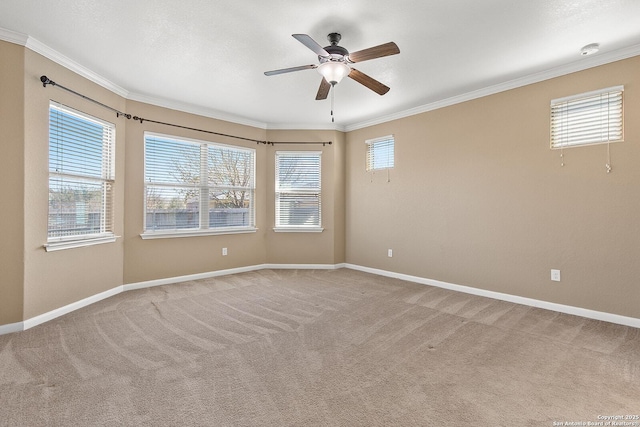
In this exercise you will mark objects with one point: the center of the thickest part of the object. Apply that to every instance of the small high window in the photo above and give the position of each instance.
(588, 118)
(380, 153)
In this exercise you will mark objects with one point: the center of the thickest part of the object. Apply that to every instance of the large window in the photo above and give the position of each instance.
(589, 118)
(197, 187)
(298, 186)
(81, 179)
(380, 153)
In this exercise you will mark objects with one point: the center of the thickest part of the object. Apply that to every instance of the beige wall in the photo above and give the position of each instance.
(11, 182)
(165, 258)
(35, 282)
(477, 198)
(55, 279)
(326, 247)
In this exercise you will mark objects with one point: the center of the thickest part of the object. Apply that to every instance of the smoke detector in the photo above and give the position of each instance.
(589, 49)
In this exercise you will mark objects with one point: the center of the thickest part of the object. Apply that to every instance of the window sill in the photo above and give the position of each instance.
(298, 229)
(71, 244)
(195, 233)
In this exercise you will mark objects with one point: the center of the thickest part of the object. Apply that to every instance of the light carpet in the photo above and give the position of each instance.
(316, 348)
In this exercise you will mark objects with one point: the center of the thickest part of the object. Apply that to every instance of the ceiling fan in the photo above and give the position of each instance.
(335, 63)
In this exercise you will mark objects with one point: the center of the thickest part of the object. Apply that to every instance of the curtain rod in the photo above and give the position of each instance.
(46, 81)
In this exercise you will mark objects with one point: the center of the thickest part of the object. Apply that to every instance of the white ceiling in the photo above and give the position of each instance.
(209, 56)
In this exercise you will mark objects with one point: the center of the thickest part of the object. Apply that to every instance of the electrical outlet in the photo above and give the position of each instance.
(224, 251)
(390, 253)
(555, 275)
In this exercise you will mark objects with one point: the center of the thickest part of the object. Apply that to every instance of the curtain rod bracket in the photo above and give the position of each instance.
(45, 81)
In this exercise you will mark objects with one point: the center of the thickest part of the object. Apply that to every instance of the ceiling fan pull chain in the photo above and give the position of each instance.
(333, 89)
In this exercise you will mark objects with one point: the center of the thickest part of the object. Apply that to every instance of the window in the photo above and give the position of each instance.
(380, 153)
(196, 187)
(298, 185)
(81, 179)
(589, 118)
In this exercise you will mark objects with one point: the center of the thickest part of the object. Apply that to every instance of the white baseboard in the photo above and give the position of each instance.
(10, 328)
(45, 317)
(303, 266)
(568, 309)
(35, 321)
(207, 275)
(583, 312)
(189, 277)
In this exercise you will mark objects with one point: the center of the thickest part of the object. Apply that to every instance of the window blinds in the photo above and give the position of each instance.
(196, 185)
(589, 118)
(298, 189)
(380, 153)
(81, 175)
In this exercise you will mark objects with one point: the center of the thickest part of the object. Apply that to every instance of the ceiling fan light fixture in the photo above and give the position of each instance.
(333, 71)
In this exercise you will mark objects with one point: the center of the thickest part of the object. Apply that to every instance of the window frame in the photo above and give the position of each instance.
(572, 116)
(381, 142)
(302, 228)
(106, 180)
(204, 228)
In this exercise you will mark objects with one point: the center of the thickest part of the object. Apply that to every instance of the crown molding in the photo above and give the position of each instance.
(194, 109)
(52, 54)
(13, 37)
(55, 56)
(584, 64)
(305, 126)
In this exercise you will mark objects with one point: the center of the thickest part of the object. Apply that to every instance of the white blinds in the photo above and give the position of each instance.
(589, 118)
(196, 185)
(298, 189)
(81, 175)
(380, 153)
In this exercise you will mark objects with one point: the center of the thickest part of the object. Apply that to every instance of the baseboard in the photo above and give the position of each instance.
(207, 275)
(10, 328)
(303, 266)
(568, 309)
(591, 314)
(189, 277)
(38, 320)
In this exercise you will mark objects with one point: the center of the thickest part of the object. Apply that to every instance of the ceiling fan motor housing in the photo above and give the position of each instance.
(337, 53)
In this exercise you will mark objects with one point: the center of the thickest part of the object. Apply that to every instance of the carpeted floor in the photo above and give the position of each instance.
(316, 348)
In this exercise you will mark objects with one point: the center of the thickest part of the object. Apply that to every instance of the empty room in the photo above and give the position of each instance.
(362, 213)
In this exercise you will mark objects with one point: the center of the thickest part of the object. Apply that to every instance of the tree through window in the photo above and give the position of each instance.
(196, 185)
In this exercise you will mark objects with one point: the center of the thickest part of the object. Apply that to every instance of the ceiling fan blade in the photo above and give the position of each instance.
(323, 90)
(311, 44)
(289, 70)
(369, 82)
(374, 52)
